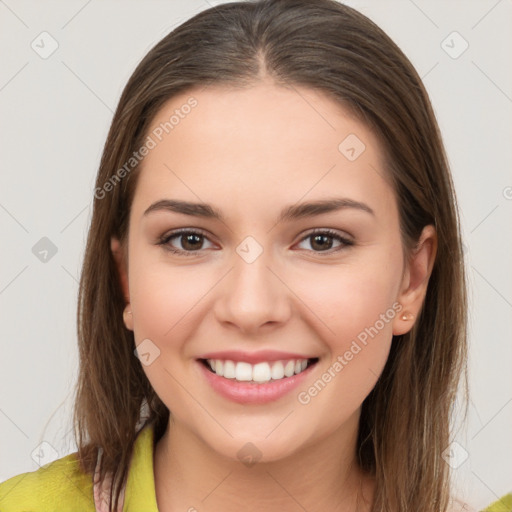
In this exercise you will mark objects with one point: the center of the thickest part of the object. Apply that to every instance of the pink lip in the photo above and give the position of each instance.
(253, 357)
(251, 392)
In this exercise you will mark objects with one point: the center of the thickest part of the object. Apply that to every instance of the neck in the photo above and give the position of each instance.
(189, 475)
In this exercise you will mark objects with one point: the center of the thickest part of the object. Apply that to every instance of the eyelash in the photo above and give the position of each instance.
(164, 240)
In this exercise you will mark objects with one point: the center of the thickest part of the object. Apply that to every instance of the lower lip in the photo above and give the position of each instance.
(251, 392)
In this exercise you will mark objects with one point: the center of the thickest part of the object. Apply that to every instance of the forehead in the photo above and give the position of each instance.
(282, 142)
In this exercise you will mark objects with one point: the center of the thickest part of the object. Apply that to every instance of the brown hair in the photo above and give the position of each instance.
(321, 44)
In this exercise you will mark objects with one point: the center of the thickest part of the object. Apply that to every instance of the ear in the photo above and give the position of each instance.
(122, 272)
(415, 280)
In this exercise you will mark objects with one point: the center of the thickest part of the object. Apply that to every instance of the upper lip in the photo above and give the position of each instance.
(253, 357)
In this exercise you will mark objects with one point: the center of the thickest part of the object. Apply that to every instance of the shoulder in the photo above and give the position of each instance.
(504, 504)
(57, 486)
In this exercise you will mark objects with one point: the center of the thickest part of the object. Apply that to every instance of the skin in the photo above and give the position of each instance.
(249, 153)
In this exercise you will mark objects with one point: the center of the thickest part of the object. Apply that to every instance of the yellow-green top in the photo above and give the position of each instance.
(60, 486)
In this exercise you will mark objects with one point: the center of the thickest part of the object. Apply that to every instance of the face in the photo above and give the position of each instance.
(257, 277)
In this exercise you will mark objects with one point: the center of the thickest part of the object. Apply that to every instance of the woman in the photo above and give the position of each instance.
(272, 305)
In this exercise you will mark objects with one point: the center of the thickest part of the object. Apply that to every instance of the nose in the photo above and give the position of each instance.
(252, 297)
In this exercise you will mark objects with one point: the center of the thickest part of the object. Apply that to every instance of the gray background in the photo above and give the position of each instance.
(55, 113)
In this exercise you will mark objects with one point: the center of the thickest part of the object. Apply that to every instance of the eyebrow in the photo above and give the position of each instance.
(292, 212)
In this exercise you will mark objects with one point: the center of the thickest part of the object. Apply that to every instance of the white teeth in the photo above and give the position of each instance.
(243, 371)
(289, 369)
(260, 372)
(229, 369)
(277, 371)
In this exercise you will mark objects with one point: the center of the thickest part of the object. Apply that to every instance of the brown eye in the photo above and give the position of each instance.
(185, 242)
(191, 241)
(321, 242)
(325, 240)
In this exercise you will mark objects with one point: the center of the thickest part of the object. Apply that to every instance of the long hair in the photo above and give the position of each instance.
(332, 48)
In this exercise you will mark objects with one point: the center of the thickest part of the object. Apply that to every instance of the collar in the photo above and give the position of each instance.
(139, 492)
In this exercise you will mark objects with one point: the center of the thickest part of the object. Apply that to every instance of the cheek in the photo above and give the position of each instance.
(361, 319)
(347, 300)
(354, 307)
(165, 303)
(162, 297)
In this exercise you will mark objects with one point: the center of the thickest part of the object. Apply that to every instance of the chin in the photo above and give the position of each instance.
(256, 450)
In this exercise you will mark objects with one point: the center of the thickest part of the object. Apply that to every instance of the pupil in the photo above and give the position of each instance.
(189, 239)
(317, 238)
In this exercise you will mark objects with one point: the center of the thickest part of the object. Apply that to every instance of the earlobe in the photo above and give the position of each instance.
(415, 282)
(127, 317)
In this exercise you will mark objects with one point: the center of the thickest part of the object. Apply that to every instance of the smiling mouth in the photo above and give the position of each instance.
(259, 373)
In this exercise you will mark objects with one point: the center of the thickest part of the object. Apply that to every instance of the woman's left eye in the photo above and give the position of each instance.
(323, 239)
(192, 241)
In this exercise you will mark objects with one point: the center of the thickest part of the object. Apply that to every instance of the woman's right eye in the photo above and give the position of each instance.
(189, 240)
